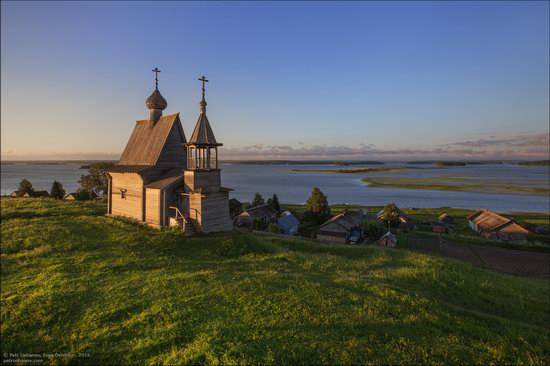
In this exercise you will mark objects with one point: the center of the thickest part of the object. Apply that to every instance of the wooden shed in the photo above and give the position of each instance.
(388, 240)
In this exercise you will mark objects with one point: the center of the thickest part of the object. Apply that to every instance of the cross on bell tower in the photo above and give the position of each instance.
(156, 71)
(202, 148)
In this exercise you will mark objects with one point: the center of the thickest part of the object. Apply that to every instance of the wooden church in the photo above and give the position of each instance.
(161, 179)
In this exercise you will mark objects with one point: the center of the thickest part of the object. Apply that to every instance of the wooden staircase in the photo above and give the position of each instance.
(185, 223)
(188, 227)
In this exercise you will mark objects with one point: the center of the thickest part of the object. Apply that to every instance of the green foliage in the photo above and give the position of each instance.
(391, 215)
(95, 181)
(83, 195)
(373, 230)
(57, 190)
(274, 228)
(24, 187)
(317, 207)
(75, 280)
(273, 202)
(258, 200)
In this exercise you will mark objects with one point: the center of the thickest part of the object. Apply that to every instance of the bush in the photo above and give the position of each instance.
(274, 228)
(83, 195)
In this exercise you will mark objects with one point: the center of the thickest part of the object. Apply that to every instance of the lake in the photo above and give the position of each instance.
(295, 187)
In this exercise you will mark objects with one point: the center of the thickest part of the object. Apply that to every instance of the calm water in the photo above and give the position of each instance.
(294, 187)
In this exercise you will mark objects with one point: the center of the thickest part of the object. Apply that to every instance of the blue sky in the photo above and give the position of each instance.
(348, 80)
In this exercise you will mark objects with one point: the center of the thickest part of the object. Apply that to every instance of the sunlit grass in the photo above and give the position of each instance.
(74, 280)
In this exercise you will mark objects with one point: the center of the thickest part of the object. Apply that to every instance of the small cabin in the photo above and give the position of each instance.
(70, 197)
(258, 217)
(388, 240)
(13, 194)
(439, 227)
(342, 228)
(446, 219)
(288, 223)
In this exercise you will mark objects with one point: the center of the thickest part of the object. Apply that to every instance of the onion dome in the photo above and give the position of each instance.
(156, 101)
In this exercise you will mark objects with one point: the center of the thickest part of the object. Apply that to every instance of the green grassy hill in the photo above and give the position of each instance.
(75, 281)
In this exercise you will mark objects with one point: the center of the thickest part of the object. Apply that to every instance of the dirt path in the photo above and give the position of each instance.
(512, 261)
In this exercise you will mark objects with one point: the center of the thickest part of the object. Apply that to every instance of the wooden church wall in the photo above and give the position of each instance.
(131, 205)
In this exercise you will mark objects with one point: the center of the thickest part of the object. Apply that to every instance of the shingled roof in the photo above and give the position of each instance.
(202, 134)
(146, 142)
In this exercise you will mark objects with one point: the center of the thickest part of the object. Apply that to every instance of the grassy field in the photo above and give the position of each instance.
(461, 184)
(74, 280)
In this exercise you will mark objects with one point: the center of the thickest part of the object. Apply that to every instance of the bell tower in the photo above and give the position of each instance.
(208, 201)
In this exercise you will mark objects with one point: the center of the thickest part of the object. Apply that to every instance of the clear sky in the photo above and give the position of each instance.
(302, 80)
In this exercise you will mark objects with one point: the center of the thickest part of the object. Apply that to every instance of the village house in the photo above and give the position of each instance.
(36, 194)
(13, 194)
(439, 227)
(446, 219)
(494, 226)
(288, 223)
(161, 179)
(342, 228)
(387, 240)
(258, 217)
(70, 196)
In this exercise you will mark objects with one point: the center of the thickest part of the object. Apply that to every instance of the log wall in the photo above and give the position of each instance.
(131, 205)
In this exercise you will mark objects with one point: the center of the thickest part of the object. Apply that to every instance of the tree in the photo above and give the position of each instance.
(273, 202)
(317, 208)
(24, 187)
(391, 214)
(57, 190)
(95, 181)
(258, 200)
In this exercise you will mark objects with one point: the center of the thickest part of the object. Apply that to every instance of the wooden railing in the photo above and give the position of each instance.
(178, 214)
(197, 213)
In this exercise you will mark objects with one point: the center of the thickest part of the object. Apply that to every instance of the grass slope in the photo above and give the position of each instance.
(74, 280)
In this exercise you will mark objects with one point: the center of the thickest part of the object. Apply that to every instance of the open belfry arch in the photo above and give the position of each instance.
(161, 179)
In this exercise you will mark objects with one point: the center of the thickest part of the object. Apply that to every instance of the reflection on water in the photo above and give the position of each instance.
(295, 187)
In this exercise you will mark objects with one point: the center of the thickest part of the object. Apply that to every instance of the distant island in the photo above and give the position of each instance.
(454, 163)
(535, 163)
(450, 163)
(358, 170)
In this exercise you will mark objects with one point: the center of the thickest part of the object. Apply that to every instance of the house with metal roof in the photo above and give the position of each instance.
(342, 228)
(288, 223)
(494, 226)
(162, 179)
